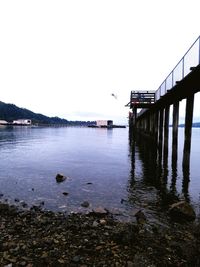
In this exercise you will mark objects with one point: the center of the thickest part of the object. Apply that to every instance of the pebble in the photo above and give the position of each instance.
(130, 264)
(76, 258)
(102, 222)
(95, 224)
(42, 238)
(100, 211)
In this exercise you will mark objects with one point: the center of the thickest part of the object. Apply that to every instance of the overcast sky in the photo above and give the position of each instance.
(66, 58)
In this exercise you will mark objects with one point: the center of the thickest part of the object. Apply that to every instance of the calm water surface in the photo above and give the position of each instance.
(102, 167)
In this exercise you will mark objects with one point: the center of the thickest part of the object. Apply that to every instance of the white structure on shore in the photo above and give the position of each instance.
(104, 123)
(3, 122)
(23, 121)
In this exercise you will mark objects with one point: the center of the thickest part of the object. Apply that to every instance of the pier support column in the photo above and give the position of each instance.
(160, 140)
(166, 134)
(151, 124)
(188, 131)
(148, 123)
(166, 129)
(145, 124)
(134, 117)
(156, 126)
(161, 128)
(132, 124)
(175, 132)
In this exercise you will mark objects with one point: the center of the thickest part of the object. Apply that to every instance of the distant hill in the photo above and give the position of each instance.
(10, 112)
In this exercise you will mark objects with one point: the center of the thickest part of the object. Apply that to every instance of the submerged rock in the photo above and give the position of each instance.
(85, 204)
(123, 200)
(60, 178)
(182, 210)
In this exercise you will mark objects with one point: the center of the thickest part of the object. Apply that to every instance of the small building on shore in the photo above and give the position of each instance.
(104, 123)
(2, 122)
(22, 122)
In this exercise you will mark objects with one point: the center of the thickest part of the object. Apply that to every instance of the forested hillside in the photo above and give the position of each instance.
(10, 112)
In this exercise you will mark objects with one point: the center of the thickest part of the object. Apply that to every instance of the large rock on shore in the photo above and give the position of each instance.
(182, 210)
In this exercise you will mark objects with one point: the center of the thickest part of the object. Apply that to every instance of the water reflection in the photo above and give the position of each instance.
(156, 171)
(185, 184)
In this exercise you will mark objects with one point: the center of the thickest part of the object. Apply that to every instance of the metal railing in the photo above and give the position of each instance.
(188, 61)
(142, 97)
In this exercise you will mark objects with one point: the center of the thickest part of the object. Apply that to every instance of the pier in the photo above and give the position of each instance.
(150, 109)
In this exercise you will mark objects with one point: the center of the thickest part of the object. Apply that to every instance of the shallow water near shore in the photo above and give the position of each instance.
(102, 168)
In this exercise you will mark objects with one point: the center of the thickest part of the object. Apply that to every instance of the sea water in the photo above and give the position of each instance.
(102, 167)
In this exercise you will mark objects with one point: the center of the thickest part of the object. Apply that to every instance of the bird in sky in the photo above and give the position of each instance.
(114, 95)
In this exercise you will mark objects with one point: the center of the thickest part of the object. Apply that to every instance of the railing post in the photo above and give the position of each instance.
(199, 50)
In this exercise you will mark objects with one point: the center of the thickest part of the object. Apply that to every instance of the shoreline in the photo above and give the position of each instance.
(38, 237)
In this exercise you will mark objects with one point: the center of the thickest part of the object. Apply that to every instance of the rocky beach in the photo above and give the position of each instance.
(35, 237)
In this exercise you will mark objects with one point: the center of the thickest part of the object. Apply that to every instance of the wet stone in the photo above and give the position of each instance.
(76, 258)
(95, 224)
(182, 210)
(100, 211)
(60, 178)
(42, 238)
(102, 222)
(85, 204)
(140, 217)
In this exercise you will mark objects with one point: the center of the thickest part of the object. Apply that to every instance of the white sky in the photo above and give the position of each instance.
(66, 58)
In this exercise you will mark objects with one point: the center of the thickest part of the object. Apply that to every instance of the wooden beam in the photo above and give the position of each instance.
(175, 131)
(188, 130)
(160, 128)
(166, 132)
